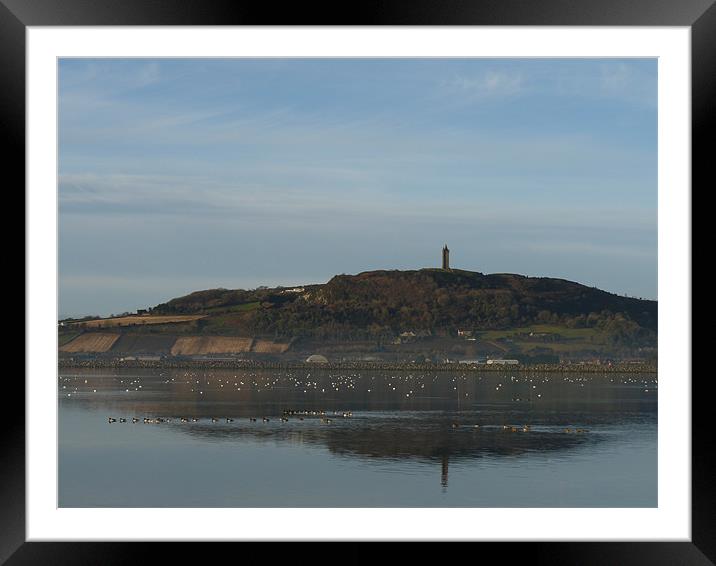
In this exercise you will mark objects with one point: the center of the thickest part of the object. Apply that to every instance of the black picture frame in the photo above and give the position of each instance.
(699, 15)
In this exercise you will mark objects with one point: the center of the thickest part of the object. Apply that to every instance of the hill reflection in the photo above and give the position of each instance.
(433, 418)
(431, 438)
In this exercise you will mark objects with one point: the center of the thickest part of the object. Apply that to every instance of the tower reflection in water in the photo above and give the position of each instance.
(427, 417)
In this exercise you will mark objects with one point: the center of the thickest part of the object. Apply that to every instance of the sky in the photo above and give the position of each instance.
(177, 175)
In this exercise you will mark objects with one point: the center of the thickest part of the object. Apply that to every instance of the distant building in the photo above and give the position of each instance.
(503, 362)
(446, 258)
(317, 358)
(464, 333)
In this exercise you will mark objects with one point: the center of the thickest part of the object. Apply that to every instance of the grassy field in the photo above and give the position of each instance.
(559, 347)
(583, 334)
(197, 345)
(138, 320)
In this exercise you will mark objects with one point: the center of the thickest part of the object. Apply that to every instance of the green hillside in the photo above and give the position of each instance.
(435, 302)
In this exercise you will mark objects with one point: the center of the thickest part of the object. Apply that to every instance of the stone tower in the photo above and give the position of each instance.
(446, 258)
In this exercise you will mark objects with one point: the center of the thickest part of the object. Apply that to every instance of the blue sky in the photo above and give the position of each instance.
(184, 174)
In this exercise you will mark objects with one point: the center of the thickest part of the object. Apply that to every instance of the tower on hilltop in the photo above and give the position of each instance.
(446, 258)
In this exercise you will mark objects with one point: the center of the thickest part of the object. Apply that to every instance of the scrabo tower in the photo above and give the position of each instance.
(446, 258)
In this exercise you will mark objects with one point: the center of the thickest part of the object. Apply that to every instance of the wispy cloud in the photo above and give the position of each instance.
(620, 80)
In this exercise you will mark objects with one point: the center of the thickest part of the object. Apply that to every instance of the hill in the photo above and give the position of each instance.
(427, 302)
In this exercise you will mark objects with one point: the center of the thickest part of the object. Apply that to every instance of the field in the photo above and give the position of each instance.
(101, 342)
(65, 337)
(196, 345)
(268, 347)
(137, 320)
(534, 341)
(90, 342)
(585, 334)
(547, 338)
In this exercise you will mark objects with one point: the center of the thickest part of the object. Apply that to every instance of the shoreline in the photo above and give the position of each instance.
(365, 366)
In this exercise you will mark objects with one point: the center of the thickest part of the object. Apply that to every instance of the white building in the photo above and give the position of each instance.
(293, 290)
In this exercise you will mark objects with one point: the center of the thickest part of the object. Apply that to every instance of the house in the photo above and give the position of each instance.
(293, 290)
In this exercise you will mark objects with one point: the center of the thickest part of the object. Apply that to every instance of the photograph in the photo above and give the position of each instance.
(409, 276)
(357, 282)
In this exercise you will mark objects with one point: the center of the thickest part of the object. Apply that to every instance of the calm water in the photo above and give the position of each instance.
(406, 440)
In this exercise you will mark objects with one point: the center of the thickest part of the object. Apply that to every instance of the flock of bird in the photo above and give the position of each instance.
(312, 413)
(409, 386)
(284, 417)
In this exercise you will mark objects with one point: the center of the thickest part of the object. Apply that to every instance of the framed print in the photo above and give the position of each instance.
(231, 259)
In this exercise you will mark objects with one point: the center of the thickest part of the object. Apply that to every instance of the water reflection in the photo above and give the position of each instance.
(373, 416)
